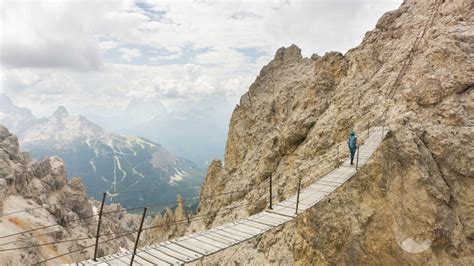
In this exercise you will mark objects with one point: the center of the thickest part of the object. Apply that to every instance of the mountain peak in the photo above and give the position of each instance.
(60, 112)
(289, 53)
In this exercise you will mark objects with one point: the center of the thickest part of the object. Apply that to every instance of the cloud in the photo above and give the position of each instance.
(128, 54)
(64, 34)
(108, 45)
(187, 53)
(38, 36)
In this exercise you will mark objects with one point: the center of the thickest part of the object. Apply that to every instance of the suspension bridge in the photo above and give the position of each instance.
(193, 247)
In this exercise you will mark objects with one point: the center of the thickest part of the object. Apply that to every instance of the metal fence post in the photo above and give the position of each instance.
(270, 207)
(138, 236)
(98, 226)
(368, 128)
(357, 160)
(298, 195)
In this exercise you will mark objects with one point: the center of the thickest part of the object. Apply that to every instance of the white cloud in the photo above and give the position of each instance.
(184, 52)
(108, 45)
(128, 54)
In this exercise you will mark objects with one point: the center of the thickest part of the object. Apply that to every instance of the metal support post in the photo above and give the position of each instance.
(368, 128)
(98, 226)
(271, 206)
(138, 236)
(357, 160)
(298, 195)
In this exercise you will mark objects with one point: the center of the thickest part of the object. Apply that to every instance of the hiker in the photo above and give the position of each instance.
(352, 143)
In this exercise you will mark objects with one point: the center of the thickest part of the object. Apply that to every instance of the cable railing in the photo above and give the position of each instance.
(91, 222)
(104, 215)
(126, 233)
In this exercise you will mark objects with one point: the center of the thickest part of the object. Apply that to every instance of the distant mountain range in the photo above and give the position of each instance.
(198, 135)
(104, 161)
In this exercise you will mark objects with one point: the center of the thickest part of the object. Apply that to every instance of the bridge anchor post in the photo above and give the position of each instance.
(298, 195)
(357, 159)
(271, 206)
(98, 226)
(138, 236)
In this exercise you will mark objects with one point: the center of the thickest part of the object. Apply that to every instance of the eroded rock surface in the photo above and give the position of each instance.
(41, 188)
(413, 202)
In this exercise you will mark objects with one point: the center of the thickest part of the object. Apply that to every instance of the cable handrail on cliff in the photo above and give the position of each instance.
(126, 233)
(176, 222)
(106, 213)
(280, 209)
(90, 195)
(190, 248)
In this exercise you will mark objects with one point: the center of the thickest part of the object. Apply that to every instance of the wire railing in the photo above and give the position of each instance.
(108, 215)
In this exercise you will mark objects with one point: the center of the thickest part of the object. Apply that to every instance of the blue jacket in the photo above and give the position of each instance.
(352, 141)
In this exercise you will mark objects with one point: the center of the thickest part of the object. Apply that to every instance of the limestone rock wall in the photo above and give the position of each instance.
(413, 202)
(42, 187)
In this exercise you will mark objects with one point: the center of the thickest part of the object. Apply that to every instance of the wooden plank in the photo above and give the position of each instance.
(230, 230)
(325, 188)
(285, 209)
(229, 235)
(126, 259)
(328, 183)
(92, 262)
(115, 262)
(138, 260)
(161, 256)
(234, 230)
(290, 208)
(172, 253)
(184, 251)
(248, 229)
(210, 241)
(257, 225)
(219, 238)
(331, 176)
(266, 220)
(315, 189)
(202, 243)
(201, 249)
(318, 189)
(111, 260)
(151, 259)
(290, 212)
(275, 217)
(292, 203)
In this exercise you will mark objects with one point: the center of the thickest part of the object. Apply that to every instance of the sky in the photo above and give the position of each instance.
(95, 57)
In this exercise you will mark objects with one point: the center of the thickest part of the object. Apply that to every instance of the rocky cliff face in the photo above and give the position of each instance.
(413, 202)
(42, 189)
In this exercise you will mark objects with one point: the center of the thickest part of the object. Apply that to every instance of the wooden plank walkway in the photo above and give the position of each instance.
(197, 245)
